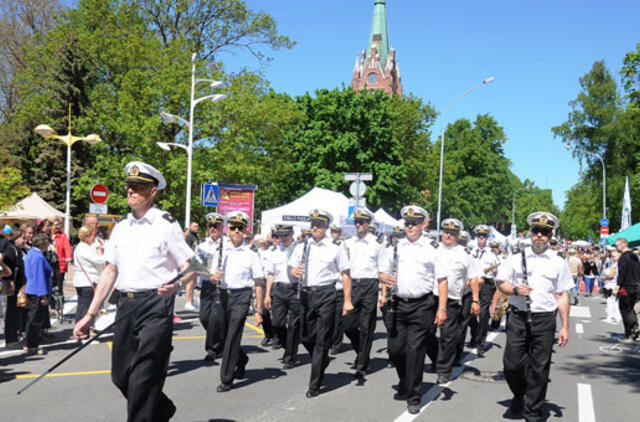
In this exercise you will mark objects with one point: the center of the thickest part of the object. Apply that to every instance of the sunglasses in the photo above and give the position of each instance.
(360, 222)
(215, 225)
(482, 235)
(450, 232)
(541, 230)
(318, 224)
(236, 228)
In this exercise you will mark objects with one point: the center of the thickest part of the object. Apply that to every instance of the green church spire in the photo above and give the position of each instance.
(378, 35)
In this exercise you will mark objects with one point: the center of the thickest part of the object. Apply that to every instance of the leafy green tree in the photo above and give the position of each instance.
(12, 188)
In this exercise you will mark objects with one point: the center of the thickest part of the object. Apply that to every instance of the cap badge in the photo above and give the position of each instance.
(358, 213)
(410, 212)
(134, 171)
(543, 219)
(316, 213)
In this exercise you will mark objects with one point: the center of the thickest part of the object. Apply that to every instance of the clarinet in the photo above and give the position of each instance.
(527, 299)
(393, 289)
(220, 253)
(303, 262)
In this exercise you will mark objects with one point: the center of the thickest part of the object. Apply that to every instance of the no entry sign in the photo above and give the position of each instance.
(99, 193)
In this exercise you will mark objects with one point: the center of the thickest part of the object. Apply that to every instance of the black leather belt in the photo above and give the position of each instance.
(413, 299)
(520, 312)
(136, 295)
(243, 289)
(363, 280)
(318, 288)
(292, 286)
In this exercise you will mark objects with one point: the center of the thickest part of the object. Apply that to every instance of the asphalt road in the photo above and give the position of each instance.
(595, 378)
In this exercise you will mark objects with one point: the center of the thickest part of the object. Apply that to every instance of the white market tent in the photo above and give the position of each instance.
(30, 208)
(296, 213)
(386, 222)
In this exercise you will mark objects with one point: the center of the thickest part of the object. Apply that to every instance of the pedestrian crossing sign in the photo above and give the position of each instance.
(209, 194)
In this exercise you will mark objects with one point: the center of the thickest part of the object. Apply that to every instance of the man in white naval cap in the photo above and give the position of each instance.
(145, 251)
(412, 273)
(537, 281)
(488, 265)
(463, 296)
(241, 270)
(319, 263)
(363, 250)
(211, 313)
(282, 296)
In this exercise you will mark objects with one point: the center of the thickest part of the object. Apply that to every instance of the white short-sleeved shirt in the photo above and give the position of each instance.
(363, 256)
(147, 251)
(547, 274)
(326, 260)
(279, 264)
(211, 248)
(459, 266)
(88, 265)
(486, 259)
(241, 266)
(265, 258)
(417, 272)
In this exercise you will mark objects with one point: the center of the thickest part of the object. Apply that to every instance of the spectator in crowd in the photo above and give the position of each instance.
(192, 238)
(63, 249)
(627, 289)
(575, 266)
(38, 275)
(589, 273)
(609, 278)
(89, 263)
(12, 257)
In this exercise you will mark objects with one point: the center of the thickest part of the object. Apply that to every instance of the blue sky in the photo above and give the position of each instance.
(535, 50)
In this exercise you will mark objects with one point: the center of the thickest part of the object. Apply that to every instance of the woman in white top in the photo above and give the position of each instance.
(89, 263)
(610, 280)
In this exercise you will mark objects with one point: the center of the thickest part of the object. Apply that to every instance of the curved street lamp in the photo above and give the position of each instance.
(48, 133)
(604, 175)
(473, 88)
(172, 118)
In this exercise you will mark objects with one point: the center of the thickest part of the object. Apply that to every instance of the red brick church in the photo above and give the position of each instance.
(376, 68)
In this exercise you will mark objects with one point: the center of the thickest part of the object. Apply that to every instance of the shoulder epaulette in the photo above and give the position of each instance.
(124, 217)
(380, 240)
(435, 244)
(253, 248)
(337, 242)
(273, 248)
(169, 217)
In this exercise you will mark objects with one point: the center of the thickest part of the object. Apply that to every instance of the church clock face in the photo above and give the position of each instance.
(373, 78)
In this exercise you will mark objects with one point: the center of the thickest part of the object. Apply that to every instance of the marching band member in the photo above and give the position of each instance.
(538, 282)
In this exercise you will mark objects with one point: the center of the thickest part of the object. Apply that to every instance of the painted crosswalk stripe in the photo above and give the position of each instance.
(585, 404)
(580, 312)
(579, 328)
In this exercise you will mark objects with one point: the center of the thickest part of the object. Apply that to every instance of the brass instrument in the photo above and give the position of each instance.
(501, 307)
(491, 268)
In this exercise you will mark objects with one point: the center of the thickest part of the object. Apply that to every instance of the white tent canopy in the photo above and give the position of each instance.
(296, 213)
(31, 208)
(383, 218)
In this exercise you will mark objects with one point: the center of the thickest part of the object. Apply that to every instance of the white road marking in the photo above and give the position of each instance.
(585, 404)
(580, 312)
(431, 394)
(579, 328)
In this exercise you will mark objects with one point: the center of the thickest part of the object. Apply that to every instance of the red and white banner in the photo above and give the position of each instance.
(237, 198)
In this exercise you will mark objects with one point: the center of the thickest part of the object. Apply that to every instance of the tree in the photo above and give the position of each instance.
(12, 188)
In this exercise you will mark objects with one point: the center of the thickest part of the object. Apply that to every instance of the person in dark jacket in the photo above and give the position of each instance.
(14, 282)
(627, 289)
(39, 284)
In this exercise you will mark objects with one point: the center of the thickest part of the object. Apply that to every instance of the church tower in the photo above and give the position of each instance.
(376, 68)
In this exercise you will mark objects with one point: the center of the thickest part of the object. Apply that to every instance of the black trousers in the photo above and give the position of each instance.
(450, 333)
(407, 342)
(85, 296)
(37, 312)
(285, 317)
(235, 303)
(11, 320)
(360, 324)
(527, 358)
(141, 349)
(480, 325)
(629, 317)
(318, 305)
(212, 318)
(338, 322)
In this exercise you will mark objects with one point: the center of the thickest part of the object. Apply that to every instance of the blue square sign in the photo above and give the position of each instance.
(209, 194)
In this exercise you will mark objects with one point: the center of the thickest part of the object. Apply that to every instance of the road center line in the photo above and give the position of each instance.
(579, 328)
(585, 404)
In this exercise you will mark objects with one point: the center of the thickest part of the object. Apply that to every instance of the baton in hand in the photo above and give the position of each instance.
(195, 264)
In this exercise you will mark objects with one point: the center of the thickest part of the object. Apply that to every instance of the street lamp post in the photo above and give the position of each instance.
(172, 118)
(48, 133)
(473, 88)
(604, 176)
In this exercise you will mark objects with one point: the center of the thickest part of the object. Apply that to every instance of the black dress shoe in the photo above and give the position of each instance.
(359, 375)
(223, 388)
(266, 341)
(414, 409)
(209, 357)
(480, 352)
(401, 395)
(334, 350)
(276, 345)
(442, 379)
(311, 393)
(517, 406)
(288, 365)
